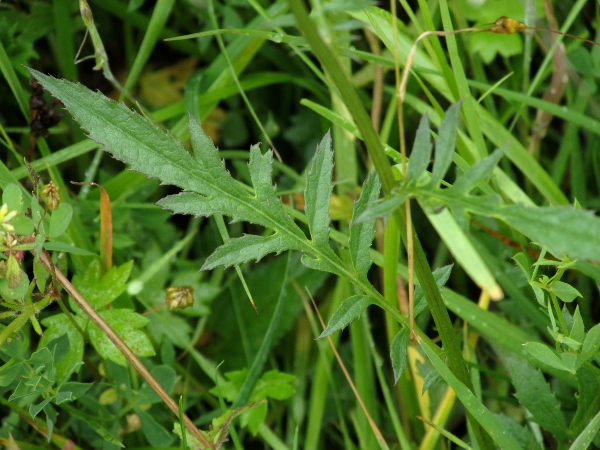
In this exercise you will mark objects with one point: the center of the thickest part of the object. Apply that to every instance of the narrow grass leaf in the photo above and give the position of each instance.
(349, 310)
(586, 437)
(484, 416)
(160, 15)
(362, 234)
(463, 251)
(399, 352)
(444, 145)
(533, 393)
(318, 193)
(421, 151)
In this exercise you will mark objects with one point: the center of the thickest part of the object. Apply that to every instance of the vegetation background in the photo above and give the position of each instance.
(521, 293)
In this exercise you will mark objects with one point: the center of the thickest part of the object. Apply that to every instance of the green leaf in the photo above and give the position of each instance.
(274, 384)
(154, 432)
(318, 193)
(349, 310)
(533, 392)
(246, 248)
(254, 418)
(523, 264)
(67, 248)
(578, 329)
(591, 345)
(210, 188)
(35, 409)
(101, 291)
(543, 354)
(477, 173)
(522, 434)
(588, 399)
(563, 229)
(71, 391)
(126, 324)
(127, 135)
(60, 220)
(420, 155)
(399, 352)
(444, 145)
(10, 372)
(12, 196)
(59, 347)
(14, 274)
(226, 196)
(383, 208)
(362, 235)
(166, 377)
(22, 224)
(19, 291)
(564, 291)
(57, 326)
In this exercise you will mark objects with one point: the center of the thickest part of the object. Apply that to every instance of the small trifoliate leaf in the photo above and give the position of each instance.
(349, 310)
(362, 235)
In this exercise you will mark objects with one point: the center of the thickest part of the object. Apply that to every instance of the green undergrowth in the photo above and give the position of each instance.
(237, 161)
